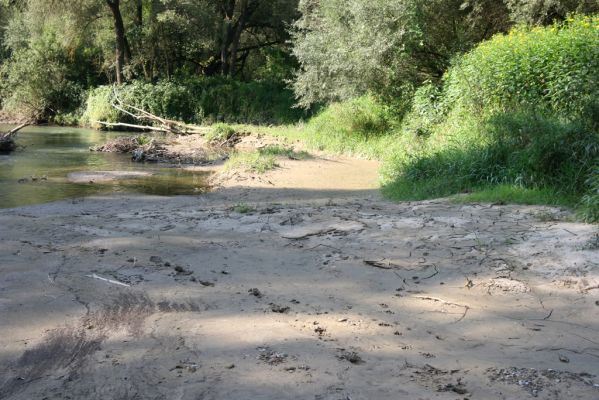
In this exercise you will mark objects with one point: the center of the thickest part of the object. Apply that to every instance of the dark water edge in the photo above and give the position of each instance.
(37, 171)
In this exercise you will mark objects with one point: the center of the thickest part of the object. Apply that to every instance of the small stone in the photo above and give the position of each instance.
(156, 259)
(279, 309)
(351, 356)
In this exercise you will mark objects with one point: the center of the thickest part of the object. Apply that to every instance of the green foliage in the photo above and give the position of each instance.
(518, 112)
(554, 68)
(526, 150)
(426, 111)
(281, 151)
(243, 208)
(590, 201)
(251, 162)
(98, 107)
(360, 127)
(36, 81)
(142, 140)
(549, 11)
(347, 48)
(220, 133)
(354, 126)
(199, 100)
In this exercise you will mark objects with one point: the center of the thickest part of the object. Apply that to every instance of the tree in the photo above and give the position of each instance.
(347, 48)
(547, 11)
(121, 39)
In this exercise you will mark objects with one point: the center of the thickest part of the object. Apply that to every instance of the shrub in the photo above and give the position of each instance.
(280, 151)
(357, 126)
(35, 81)
(554, 68)
(220, 133)
(98, 107)
(590, 201)
(518, 111)
(199, 100)
(251, 162)
(426, 110)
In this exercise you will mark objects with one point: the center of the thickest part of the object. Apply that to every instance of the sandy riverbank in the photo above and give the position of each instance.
(319, 290)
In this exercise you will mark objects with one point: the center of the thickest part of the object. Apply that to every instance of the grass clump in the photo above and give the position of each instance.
(243, 208)
(220, 133)
(281, 151)
(358, 127)
(143, 140)
(262, 160)
(589, 207)
(252, 161)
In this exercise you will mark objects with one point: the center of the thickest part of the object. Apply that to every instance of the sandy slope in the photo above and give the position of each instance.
(325, 291)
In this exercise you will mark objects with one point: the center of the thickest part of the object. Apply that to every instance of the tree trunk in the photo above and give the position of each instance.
(121, 40)
(228, 11)
(237, 37)
(7, 140)
(139, 11)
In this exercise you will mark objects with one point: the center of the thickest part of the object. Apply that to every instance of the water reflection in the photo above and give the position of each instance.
(49, 154)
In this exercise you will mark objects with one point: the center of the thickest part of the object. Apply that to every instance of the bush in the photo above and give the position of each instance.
(518, 111)
(220, 133)
(590, 201)
(253, 161)
(199, 100)
(554, 68)
(357, 126)
(527, 150)
(35, 81)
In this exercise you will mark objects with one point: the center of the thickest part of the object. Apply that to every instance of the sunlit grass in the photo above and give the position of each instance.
(252, 161)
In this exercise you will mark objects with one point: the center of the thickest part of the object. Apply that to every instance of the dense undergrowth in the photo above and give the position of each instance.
(516, 119)
(520, 110)
(200, 101)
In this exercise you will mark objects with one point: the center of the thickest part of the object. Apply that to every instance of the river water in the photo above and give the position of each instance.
(38, 171)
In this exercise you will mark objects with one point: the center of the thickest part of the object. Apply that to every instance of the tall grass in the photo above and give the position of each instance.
(359, 127)
(518, 111)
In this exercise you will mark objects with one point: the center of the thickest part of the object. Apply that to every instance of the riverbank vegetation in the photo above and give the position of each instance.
(489, 100)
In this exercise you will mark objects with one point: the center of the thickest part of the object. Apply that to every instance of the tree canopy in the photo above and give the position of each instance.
(327, 50)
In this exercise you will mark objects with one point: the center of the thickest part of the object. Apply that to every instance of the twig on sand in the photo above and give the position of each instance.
(438, 300)
(379, 264)
(434, 273)
(94, 276)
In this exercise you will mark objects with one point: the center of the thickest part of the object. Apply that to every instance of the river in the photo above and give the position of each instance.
(38, 172)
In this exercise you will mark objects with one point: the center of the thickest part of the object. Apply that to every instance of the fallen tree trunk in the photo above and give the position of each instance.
(132, 126)
(152, 122)
(7, 140)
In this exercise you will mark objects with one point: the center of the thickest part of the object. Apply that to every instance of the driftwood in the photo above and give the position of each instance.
(7, 140)
(152, 122)
(132, 126)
